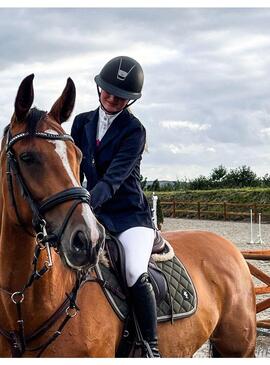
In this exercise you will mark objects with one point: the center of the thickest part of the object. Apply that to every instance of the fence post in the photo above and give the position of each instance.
(225, 210)
(199, 210)
(255, 213)
(173, 208)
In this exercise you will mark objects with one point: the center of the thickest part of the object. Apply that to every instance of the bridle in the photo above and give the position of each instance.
(79, 194)
(17, 339)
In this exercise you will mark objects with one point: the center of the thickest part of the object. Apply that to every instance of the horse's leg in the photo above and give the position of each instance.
(226, 299)
(235, 334)
(184, 337)
(187, 335)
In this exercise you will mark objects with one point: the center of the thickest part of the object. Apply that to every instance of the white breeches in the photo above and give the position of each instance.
(138, 243)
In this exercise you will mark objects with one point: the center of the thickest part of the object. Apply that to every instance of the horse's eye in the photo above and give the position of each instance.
(27, 157)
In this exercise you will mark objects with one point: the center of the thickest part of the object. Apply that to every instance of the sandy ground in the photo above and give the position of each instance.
(241, 235)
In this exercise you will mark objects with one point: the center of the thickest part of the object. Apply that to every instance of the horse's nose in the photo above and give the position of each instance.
(80, 243)
(82, 251)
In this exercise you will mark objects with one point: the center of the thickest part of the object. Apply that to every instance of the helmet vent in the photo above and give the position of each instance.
(121, 75)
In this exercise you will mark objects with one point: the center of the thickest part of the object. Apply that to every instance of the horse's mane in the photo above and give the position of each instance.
(32, 120)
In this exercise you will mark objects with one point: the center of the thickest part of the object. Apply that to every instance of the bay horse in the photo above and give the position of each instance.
(49, 237)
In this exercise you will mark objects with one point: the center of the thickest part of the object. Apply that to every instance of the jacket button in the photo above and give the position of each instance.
(93, 161)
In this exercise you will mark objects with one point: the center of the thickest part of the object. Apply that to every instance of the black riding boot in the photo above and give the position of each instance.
(144, 304)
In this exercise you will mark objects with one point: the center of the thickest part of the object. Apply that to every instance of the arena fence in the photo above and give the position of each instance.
(215, 210)
(262, 305)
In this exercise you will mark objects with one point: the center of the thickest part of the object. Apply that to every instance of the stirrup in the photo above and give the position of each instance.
(150, 349)
(154, 348)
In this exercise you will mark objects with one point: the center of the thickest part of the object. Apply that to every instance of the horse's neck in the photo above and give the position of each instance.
(45, 295)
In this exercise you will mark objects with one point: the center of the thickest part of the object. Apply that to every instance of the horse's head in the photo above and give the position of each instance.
(43, 179)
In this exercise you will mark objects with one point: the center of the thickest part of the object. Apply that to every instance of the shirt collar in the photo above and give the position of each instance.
(109, 118)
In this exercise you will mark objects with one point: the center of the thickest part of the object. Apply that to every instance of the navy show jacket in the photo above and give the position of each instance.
(112, 170)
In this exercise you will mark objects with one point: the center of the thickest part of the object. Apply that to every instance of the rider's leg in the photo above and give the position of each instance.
(138, 243)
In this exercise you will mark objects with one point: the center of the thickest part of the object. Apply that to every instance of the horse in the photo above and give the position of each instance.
(47, 223)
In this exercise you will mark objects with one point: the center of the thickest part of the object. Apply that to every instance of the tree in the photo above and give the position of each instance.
(179, 185)
(199, 183)
(265, 180)
(241, 177)
(155, 185)
(143, 181)
(218, 173)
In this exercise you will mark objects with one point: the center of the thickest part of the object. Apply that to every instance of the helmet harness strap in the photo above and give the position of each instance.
(103, 107)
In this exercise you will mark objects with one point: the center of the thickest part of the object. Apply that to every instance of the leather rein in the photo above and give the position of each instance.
(17, 339)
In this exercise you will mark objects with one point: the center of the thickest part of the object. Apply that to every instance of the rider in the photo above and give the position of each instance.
(112, 141)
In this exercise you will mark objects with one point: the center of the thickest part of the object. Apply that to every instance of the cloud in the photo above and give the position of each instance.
(206, 92)
(178, 124)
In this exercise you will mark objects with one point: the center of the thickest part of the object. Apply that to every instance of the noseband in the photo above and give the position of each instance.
(78, 194)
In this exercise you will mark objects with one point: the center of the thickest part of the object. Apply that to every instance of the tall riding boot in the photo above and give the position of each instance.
(144, 304)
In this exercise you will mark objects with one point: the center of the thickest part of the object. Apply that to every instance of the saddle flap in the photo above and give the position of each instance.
(116, 256)
(158, 281)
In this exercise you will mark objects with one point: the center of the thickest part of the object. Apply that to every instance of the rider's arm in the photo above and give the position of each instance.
(128, 155)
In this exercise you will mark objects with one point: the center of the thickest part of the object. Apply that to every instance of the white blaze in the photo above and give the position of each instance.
(88, 216)
(91, 220)
(61, 150)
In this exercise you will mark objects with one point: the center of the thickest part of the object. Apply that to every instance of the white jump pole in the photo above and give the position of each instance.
(260, 230)
(251, 227)
(155, 199)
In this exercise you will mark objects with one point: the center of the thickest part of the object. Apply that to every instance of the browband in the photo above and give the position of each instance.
(19, 136)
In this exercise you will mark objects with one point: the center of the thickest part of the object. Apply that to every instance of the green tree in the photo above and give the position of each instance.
(155, 185)
(199, 183)
(180, 185)
(218, 173)
(241, 177)
(143, 181)
(265, 180)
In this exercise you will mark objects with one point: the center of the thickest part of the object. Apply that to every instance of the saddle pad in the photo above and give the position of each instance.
(183, 302)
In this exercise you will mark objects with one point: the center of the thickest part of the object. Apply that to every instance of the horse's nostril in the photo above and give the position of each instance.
(79, 241)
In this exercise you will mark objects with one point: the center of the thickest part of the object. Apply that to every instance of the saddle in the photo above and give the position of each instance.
(116, 257)
(174, 290)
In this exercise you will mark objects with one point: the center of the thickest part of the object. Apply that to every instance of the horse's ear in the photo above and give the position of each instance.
(24, 98)
(63, 107)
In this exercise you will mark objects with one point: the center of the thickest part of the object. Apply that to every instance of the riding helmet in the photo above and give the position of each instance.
(122, 76)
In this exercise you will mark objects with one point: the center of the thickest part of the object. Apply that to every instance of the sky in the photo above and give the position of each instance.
(206, 96)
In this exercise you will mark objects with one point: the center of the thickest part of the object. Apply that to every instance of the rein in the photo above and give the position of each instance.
(17, 339)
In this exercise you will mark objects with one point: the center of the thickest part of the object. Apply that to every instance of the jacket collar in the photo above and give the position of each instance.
(91, 130)
(114, 129)
(112, 132)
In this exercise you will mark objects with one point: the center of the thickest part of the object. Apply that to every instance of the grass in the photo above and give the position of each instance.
(190, 198)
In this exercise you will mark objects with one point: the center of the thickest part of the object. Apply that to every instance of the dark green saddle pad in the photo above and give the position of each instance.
(180, 300)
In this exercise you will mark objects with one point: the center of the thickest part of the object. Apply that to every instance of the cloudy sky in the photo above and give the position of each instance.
(206, 98)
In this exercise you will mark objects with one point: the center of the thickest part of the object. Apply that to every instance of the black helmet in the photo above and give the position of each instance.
(123, 77)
